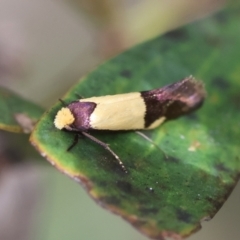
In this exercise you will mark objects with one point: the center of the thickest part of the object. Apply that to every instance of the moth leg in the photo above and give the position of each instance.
(75, 141)
(62, 102)
(106, 146)
(151, 141)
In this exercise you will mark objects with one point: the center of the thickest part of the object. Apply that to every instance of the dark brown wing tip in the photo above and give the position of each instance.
(196, 86)
(186, 96)
(190, 90)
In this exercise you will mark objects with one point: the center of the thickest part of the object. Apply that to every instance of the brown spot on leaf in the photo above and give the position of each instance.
(124, 186)
(222, 168)
(220, 83)
(184, 216)
(194, 146)
(126, 73)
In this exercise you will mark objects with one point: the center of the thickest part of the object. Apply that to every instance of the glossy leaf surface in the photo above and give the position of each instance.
(189, 172)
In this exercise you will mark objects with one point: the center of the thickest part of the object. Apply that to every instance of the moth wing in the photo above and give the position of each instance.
(173, 100)
(147, 109)
(118, 112)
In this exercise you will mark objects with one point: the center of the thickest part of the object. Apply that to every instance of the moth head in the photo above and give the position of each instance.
(64, 118)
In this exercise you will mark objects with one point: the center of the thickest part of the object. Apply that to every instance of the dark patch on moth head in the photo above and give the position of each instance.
(173, 100)
(81, 112)
(126, 73)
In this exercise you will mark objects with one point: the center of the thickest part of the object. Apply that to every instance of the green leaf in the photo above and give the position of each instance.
(194, 163)
(17, 114)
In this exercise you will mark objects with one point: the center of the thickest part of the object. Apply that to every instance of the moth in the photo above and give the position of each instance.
(130, 111)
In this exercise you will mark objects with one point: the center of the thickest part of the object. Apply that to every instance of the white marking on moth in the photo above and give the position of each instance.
(157, 122)
(118, 112)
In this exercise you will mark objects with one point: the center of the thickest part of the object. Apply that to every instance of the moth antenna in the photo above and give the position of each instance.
(62, 102)
(151, 141)
(106, 146)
